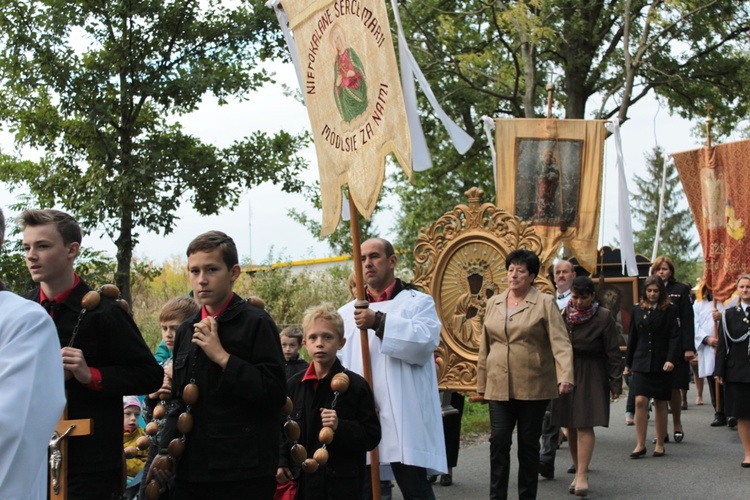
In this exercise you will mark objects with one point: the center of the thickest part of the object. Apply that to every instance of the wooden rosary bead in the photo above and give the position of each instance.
(326, 435)
(110, 291)
(123, 305)
(143, 443)
(165, 396)
(176, 448)
(309, 465)
(286, 410)
(184, 423)
(190, 394)
(321, 456)
(90, 300)
(152, 428)
(291, 430)
(130, 451)
(153, 490)
(162, 462)
(160, 411)
(340, 383)
(299, 453)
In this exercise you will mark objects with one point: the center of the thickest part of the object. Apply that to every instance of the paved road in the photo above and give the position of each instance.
(705, 465)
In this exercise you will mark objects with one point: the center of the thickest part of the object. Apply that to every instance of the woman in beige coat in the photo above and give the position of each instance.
(525, 359)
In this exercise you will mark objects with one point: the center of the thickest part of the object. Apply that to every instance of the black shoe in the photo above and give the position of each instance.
(572, 469)
(732, 422)
(659, 453)
(719, 421)
(546, 470)
(446, 480)
(432, 477)
(638, 454)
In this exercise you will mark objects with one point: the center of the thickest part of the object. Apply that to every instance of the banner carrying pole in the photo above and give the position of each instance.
(361, 303)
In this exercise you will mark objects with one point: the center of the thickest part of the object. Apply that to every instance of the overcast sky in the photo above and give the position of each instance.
(260, 225)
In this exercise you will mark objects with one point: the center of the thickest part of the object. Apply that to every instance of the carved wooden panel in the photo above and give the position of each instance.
(460, 261)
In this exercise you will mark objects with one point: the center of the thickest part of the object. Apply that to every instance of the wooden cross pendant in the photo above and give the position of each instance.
(58, 452)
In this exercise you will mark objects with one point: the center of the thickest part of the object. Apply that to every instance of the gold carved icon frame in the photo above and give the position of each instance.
(460, 261)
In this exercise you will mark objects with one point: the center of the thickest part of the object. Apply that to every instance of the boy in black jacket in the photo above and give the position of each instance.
(106, 360)
(353, 417)
(231, 351)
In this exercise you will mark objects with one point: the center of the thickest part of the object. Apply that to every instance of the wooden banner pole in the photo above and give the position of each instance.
(361, 303)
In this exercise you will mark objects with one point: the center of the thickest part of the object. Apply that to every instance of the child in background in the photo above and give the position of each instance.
(353, 418)
(291, 343)
(172, 314)
(135, 458)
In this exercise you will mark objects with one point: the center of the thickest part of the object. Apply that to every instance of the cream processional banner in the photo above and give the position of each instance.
(350, 79)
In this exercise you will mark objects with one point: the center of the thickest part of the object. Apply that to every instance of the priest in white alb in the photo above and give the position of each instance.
(33, 395)
(404, 331)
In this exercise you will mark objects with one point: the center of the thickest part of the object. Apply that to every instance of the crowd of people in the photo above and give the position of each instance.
(227, 405)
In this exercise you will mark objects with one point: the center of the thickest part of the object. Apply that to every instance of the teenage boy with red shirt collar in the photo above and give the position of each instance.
(107, 359)
(237, 363)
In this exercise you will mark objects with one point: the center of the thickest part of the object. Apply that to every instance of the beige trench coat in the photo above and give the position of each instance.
(526, 357)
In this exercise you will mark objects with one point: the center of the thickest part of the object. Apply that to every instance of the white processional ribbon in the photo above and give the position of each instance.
(284, 23)
(410, 70)
(489, 127)
(627, 249)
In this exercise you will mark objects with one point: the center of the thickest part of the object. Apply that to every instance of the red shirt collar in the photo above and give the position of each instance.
(310, 374)
(60, 297)
(205, 314)
(386, 295)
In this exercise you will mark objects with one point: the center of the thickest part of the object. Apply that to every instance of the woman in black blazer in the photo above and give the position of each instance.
(733, 362)
(653, 349)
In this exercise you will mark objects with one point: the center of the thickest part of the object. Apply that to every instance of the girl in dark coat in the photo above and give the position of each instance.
(653, 348)
(679, 294)
(733, 362)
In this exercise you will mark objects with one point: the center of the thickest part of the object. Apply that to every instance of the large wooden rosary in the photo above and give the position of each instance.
(339, 385)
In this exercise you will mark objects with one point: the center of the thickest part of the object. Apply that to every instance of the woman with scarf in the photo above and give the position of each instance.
(597, 364)
(733, 362)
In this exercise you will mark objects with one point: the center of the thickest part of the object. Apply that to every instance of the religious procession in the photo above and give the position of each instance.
(512, 308)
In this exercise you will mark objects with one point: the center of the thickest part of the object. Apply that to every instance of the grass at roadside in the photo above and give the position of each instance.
(475, 423)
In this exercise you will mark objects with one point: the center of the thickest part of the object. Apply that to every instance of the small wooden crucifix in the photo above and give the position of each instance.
(58, 452)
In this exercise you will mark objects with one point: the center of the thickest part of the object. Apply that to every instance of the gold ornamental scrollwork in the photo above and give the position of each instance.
(460, 261)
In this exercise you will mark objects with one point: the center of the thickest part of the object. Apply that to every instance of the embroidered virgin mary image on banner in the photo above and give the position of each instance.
(717, 185)
(352, 90)
(549, 172)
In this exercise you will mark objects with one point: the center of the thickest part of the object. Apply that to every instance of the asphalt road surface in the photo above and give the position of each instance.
(705, 466)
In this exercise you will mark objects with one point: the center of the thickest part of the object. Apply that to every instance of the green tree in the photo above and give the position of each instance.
(676, 239)
(495, 59)
(97, 89)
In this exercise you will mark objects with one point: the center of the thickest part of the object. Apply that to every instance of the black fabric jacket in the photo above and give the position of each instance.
(654, 339)
(358, 432)
(733, 363)
(236, 430)
(679, 294)
(111, 343)
(293, 367)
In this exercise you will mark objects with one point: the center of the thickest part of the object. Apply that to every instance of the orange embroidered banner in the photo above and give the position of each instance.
(717, 185)
(549, 171)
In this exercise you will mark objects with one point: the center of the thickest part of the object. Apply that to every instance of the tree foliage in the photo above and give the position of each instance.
(676, 238)
(97, 89)
(495, 58)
